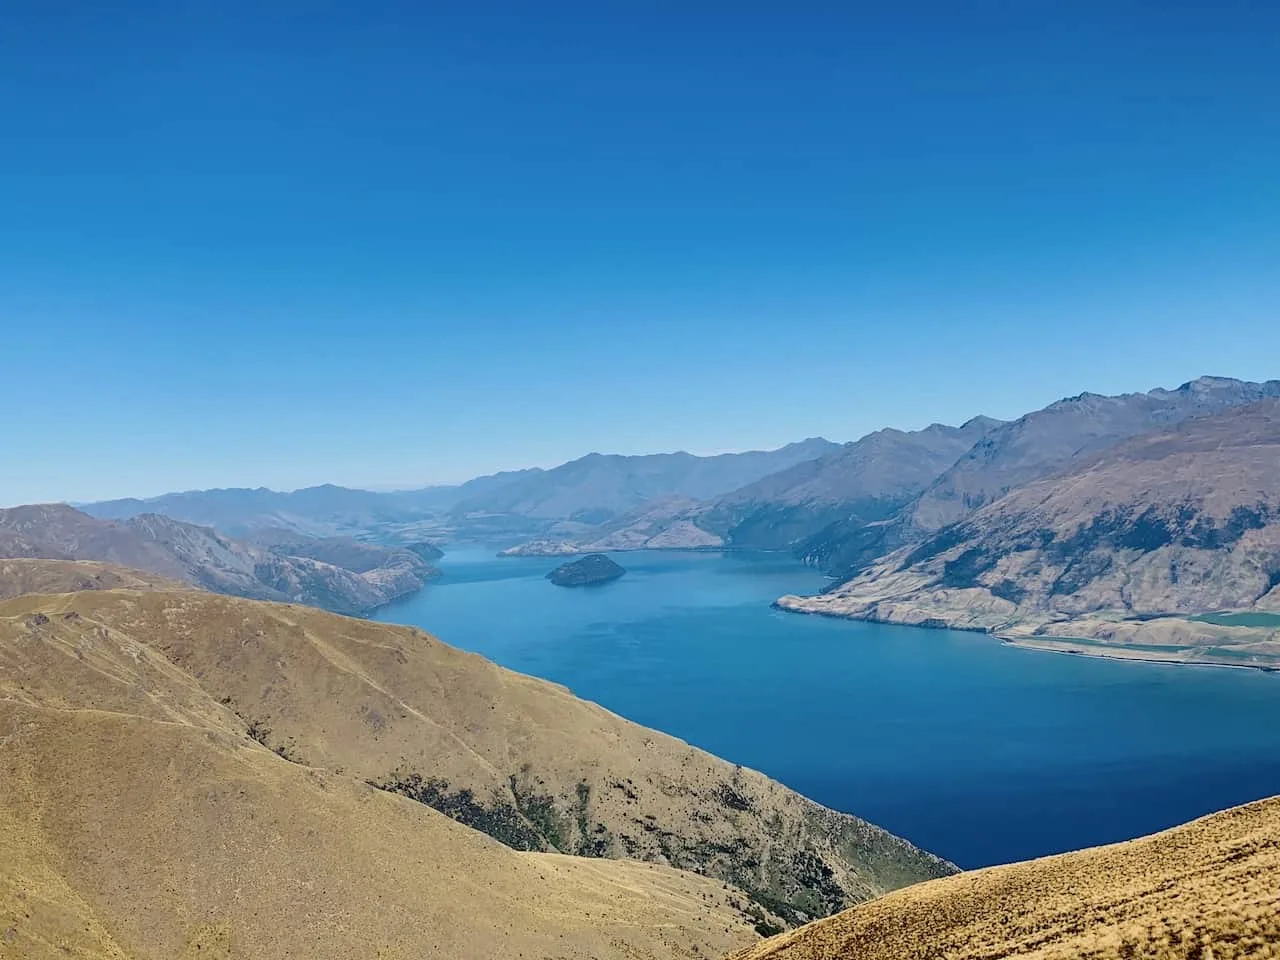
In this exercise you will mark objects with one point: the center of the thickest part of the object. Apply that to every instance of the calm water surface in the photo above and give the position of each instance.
(979, 752)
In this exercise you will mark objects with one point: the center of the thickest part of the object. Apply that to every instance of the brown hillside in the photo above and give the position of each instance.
(519, 758)
(25, 575)
(128, 837)
(1210, 888)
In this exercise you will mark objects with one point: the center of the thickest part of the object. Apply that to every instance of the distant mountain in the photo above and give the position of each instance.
(861, 482)
(664, 523)
(857, 483)
(1015, 453)
(1128, 546)
(317, 511)
(296, 569)
(599, 487)
(587, 491)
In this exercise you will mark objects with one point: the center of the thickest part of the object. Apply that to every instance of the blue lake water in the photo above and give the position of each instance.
(980, 752)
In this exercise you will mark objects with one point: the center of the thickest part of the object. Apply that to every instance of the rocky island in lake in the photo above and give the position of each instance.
(591, 569)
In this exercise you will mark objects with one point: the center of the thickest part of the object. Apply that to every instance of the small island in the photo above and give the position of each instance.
(592, 569)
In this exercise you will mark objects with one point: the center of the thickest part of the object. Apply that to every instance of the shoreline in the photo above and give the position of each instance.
(1060, 645)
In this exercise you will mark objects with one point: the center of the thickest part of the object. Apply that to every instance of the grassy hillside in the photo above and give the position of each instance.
(1208, 889)
(520, 759)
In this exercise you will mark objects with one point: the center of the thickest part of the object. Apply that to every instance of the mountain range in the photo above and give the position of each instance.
(1164, 546)
(927, 526)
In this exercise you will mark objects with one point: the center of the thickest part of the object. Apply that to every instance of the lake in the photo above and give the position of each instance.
(980, 752)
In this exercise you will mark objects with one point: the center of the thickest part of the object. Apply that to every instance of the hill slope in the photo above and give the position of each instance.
(139, 822)
(1034, 446)
(1205, 889)
(1127, 547)
(295, 568)
(519, 758)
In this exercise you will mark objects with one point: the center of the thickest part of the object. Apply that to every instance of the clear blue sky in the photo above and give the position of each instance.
(388, 244)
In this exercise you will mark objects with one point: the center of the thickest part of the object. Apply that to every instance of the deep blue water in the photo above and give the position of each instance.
(980, 752)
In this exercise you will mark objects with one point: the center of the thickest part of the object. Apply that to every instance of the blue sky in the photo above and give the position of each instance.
(401, 243)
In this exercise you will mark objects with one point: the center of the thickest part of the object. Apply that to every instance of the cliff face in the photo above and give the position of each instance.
(1131, 545)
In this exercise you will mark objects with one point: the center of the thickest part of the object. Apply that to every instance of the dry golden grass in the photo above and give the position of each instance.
(184, 774)
(139, 822)
(383, 702)
(1208, 890)
(23, 575)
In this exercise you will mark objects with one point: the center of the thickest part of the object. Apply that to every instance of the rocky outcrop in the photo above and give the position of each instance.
(592, 569)
(1130, 549)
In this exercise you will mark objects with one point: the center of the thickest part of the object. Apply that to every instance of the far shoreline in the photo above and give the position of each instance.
(1047, 644)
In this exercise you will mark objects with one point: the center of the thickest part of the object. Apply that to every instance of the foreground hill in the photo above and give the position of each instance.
(1034, 446)
(292, 568)
(1205, 889)
(520, 759)
(139, 821)
(1128, 549)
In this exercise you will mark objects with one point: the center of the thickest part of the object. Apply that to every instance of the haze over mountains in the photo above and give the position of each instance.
(850, 509)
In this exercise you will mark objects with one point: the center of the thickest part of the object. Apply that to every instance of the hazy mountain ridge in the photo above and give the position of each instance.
(203, 557)
(515, 757)
(598, 487)
(587, 491)
(1127, 546)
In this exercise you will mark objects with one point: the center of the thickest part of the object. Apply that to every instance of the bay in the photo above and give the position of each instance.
(980, 752)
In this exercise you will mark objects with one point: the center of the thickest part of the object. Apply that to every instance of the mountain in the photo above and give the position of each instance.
(664, 523)
(267, 746)
(1128, 549)
(861, 482)
(1035, 445)
(1205, 889)
(591, 490)
(318, 511)
(297, 568)
(598, 487)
